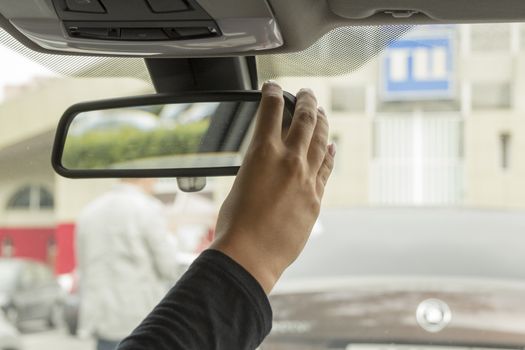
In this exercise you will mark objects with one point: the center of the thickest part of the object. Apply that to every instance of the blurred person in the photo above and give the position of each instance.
(126, 260)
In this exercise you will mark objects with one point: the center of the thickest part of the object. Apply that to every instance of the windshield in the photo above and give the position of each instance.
(421, 234)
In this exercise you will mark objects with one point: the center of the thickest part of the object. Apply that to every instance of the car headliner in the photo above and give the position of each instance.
(323, 16)
(360, 28)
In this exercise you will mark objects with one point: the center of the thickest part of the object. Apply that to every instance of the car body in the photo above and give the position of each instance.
(483, 313)
(30, 292)
(9, 336)
(362, 288)
(71, 312)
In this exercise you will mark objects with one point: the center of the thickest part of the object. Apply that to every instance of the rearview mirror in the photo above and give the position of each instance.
(184, 135)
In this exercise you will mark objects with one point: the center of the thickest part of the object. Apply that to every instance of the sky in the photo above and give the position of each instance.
(16, 69)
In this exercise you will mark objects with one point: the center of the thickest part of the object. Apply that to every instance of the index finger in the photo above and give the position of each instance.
(303, 121)
(269, 117)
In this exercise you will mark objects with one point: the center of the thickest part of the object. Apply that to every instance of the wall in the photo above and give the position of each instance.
(28, 122)
(488, 184)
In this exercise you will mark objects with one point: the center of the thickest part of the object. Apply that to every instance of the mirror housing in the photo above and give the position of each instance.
(207, 97)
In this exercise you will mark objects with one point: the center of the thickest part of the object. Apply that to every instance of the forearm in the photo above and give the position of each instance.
(216, 305)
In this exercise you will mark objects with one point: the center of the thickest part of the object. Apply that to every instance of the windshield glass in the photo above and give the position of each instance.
(421, 234)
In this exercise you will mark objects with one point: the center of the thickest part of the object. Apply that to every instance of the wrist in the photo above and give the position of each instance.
(258, 264)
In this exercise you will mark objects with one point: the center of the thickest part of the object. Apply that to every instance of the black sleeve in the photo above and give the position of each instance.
(216, 304)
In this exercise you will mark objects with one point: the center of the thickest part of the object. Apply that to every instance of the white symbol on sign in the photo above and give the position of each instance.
(428, 64)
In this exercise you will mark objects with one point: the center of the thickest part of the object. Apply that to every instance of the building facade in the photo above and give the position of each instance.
(37, 207)
(437, 120)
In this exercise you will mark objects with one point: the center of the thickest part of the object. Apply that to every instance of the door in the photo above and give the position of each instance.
(417, 159)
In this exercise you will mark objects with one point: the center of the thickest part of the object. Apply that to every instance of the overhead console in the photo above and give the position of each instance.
(200, 28)
(136, 20)
(175, 28)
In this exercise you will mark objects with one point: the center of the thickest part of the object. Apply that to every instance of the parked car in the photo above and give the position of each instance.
(9, 336)
(29, 292)
(71, 312)
(396, 281)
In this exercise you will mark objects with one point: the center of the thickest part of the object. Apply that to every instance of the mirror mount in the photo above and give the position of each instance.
(202, 74)
(175, 75)
(191, 184)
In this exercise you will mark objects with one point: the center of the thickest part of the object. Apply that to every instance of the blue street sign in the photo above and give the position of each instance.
(419, 68)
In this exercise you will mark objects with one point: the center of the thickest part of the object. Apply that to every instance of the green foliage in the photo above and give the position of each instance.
(101, 149)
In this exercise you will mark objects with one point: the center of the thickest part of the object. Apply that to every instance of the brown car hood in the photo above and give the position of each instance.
(333, 314)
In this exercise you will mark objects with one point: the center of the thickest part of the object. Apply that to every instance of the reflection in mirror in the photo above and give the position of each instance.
(181, 135)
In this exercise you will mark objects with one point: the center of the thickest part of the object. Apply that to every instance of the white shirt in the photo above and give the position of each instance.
(126, 261)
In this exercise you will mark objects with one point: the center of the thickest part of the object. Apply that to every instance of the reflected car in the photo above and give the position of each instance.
(9, 336)
(171, 113)
(186, 113)
(97, 121)
(29, 292)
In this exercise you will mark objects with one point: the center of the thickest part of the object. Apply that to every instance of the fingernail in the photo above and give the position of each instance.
(306, 90)
(271, 82)
(332, 149)
(321, 109)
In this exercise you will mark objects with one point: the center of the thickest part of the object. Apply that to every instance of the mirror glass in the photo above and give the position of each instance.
(168, 136)
(161, 136)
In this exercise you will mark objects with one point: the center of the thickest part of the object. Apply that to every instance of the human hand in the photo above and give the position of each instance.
(266, 219)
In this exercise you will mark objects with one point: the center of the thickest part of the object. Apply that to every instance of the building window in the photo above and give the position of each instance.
(491, 95)
(46, 200)
(522, 36)
(505, 143)
(336, 139)
(348, 99)
(21, 199)
(31, 197)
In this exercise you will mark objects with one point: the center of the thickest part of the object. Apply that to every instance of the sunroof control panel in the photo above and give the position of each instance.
(146, 28)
